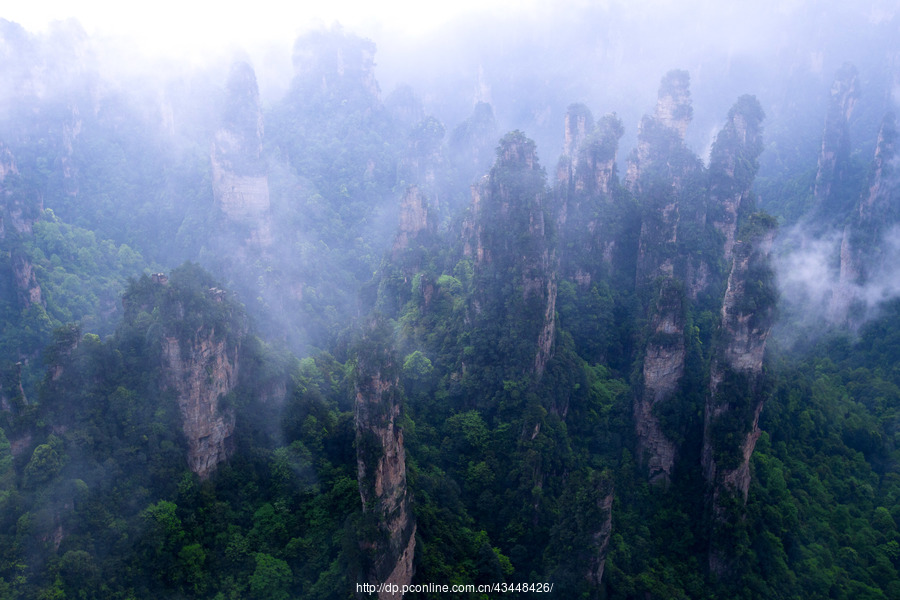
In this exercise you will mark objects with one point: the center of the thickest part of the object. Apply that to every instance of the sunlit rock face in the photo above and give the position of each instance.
(381, 468)
(240, 182)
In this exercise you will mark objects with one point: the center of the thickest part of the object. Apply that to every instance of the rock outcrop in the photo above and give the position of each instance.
(200, 332)
(605, 494)
(201, 370)
(669, 182)
(414, 221)
(17, 218)
(586, 192)
(835, 151)
(862, 245)
(736, 387)
(240, 182)
(733, 164)
(509, 234)
(579, 124)
(663, 369)
(381, 463)
(673, 114)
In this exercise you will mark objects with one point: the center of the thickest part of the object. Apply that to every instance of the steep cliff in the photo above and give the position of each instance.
(863, 247)
(669, 183)
(736, 385)
(240, 183)
(414, 221)
(511, 236)
(17, 217)
(664, 358)
(587, 186)
(199, 331)
(733, 164)
(201, 370)
(381, 463)
(605, 495)
(673, 114)
(835, 150)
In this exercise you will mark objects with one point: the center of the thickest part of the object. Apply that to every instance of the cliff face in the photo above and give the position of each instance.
(663, 369)
(733, 164)
(587, 194)
(673, 114)
(200, 333)
(335, 64)
(414, 221)
(511, 238)
(735, 398)
(605, 495)
(664, 176)
(667, 179)
(579, 123)
(201, 370)
(381, 465)
(240, 183)
(835, 150)
(17, 217)
(862, 246)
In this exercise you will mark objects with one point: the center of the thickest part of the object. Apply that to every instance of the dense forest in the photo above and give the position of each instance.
(277, 347)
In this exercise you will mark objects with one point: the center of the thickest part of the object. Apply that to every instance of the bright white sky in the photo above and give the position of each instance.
(186, 27)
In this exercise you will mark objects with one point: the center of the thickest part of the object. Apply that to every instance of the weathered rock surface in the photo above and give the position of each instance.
(200, 371)
(733, 164)
(673, 114)
(240, 182)
(507, 233)
(663, 369)
(605, 496)
(736, 394)
(17, 218)
(862, 245)
(835, 150)
(414, 220)
(381, 468)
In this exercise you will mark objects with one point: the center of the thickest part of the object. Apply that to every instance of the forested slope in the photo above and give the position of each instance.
(277, 349)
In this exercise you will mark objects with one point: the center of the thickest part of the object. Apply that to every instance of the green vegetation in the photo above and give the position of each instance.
(508, 344)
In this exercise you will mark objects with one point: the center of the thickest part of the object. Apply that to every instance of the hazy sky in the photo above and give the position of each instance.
(179, 27)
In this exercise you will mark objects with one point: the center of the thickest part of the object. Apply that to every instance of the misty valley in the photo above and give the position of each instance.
(588, 318)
